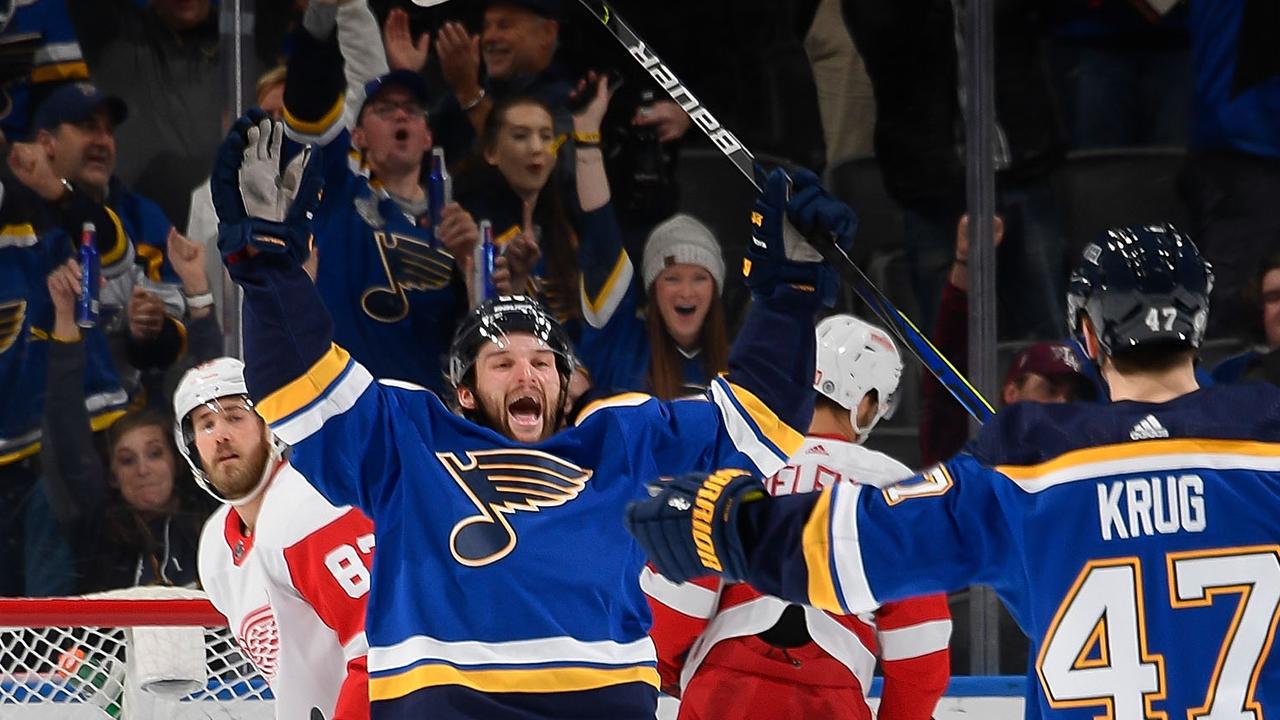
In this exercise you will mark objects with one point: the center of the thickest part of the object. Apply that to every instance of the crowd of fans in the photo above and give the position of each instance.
(570, 153)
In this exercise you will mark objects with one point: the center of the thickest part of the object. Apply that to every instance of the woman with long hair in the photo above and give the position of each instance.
(125, 501)
(675, 344)
(514, 189)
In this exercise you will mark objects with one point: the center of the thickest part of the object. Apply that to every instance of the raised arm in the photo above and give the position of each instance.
(315, 397)
(771, 363)
(74, 474)
(607, 273)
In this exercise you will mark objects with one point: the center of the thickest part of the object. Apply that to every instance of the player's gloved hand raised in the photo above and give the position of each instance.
(788, 210)
(689, 528)
(261, 207)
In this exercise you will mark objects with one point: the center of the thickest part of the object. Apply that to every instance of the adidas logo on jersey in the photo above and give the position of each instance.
(1148, 428)
(817, 450)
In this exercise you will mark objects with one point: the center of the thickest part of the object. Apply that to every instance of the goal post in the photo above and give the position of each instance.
(130, 654)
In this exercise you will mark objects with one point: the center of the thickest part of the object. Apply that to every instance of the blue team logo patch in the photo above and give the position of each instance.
(12, 316)
(501, 483)
(410, 264)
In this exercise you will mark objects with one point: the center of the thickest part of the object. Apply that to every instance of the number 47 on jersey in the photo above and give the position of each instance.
(1095, 653)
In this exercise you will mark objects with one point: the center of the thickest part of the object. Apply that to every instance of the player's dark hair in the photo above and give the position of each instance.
(1153, 359)
(559, 242)
(666, 379)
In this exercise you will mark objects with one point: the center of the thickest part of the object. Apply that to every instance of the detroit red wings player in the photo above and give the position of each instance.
(289, 571)
(730, 652)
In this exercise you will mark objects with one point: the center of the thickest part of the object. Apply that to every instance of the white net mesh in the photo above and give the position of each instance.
(128, 668)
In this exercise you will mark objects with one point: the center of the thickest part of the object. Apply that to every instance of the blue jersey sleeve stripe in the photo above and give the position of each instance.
(354, 385)
(306, 389)
(562, 679)
(1144, 456)
(846, 549)
(754, 428)
(816, 543)
(23, 235)
(599, 309)
(322, 130)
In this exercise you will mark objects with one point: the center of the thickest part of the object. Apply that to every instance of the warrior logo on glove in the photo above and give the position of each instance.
(704, 512)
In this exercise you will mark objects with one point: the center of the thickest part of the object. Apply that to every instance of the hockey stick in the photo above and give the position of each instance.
(897, 321)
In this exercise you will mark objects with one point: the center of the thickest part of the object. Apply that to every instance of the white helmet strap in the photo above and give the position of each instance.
(862, 433)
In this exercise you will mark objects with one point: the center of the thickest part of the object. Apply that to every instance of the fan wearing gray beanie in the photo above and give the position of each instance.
(679, 341)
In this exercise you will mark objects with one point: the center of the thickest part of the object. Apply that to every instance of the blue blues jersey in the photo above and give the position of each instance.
(395, 295)
(57, 59)
(1136, 544)
(27, 256)
(505, 584)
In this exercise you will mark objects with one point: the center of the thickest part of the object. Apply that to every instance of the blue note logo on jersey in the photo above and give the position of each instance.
(12, 316)
(500, 483)
(410, 264)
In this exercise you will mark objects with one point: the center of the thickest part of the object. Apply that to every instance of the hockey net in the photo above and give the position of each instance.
(136, 654)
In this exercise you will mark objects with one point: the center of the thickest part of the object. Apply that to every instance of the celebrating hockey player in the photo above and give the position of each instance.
(729, 652)
(505, 586)
(1134, 542)
(289, 571)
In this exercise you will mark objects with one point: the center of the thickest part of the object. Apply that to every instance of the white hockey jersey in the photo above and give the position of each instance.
(293, 593)
(909, 637)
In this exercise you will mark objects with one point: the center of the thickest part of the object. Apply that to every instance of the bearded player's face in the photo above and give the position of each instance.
(517, 387)
(232, 442)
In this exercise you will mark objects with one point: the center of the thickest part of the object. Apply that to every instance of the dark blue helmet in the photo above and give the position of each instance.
(1141, 287)
(494, 320)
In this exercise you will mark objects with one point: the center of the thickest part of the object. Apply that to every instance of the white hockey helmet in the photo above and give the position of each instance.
(206, 384)
(854, 358)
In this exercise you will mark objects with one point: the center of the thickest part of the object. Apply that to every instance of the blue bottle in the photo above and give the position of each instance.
(482, 265)
(90, 277)
(439, 190)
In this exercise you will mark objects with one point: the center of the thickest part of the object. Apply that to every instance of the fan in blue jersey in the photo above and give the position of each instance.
(505, 587)
(1137, 543)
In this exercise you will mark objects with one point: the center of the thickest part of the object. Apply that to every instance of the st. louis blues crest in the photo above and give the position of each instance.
(500, 483)
(410, 264)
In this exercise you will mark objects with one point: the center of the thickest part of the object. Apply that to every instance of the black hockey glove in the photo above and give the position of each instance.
(689, 527)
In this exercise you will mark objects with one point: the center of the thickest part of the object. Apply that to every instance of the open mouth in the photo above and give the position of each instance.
(525, 412)
(686, 310)
(402, 135)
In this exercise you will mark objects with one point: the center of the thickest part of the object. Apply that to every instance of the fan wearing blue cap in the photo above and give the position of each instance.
(393, 279)
(76, 126)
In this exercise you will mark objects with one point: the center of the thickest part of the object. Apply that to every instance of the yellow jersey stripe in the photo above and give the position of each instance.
(316, 127)
(305, 389)
(72, 70)
(21, 235)
(597, 303)
(817, 554)
(540, 680)
(117, 251)
(782, 435)
(98, 422)
(630, 399)
(19, 454)
(1145, 449)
